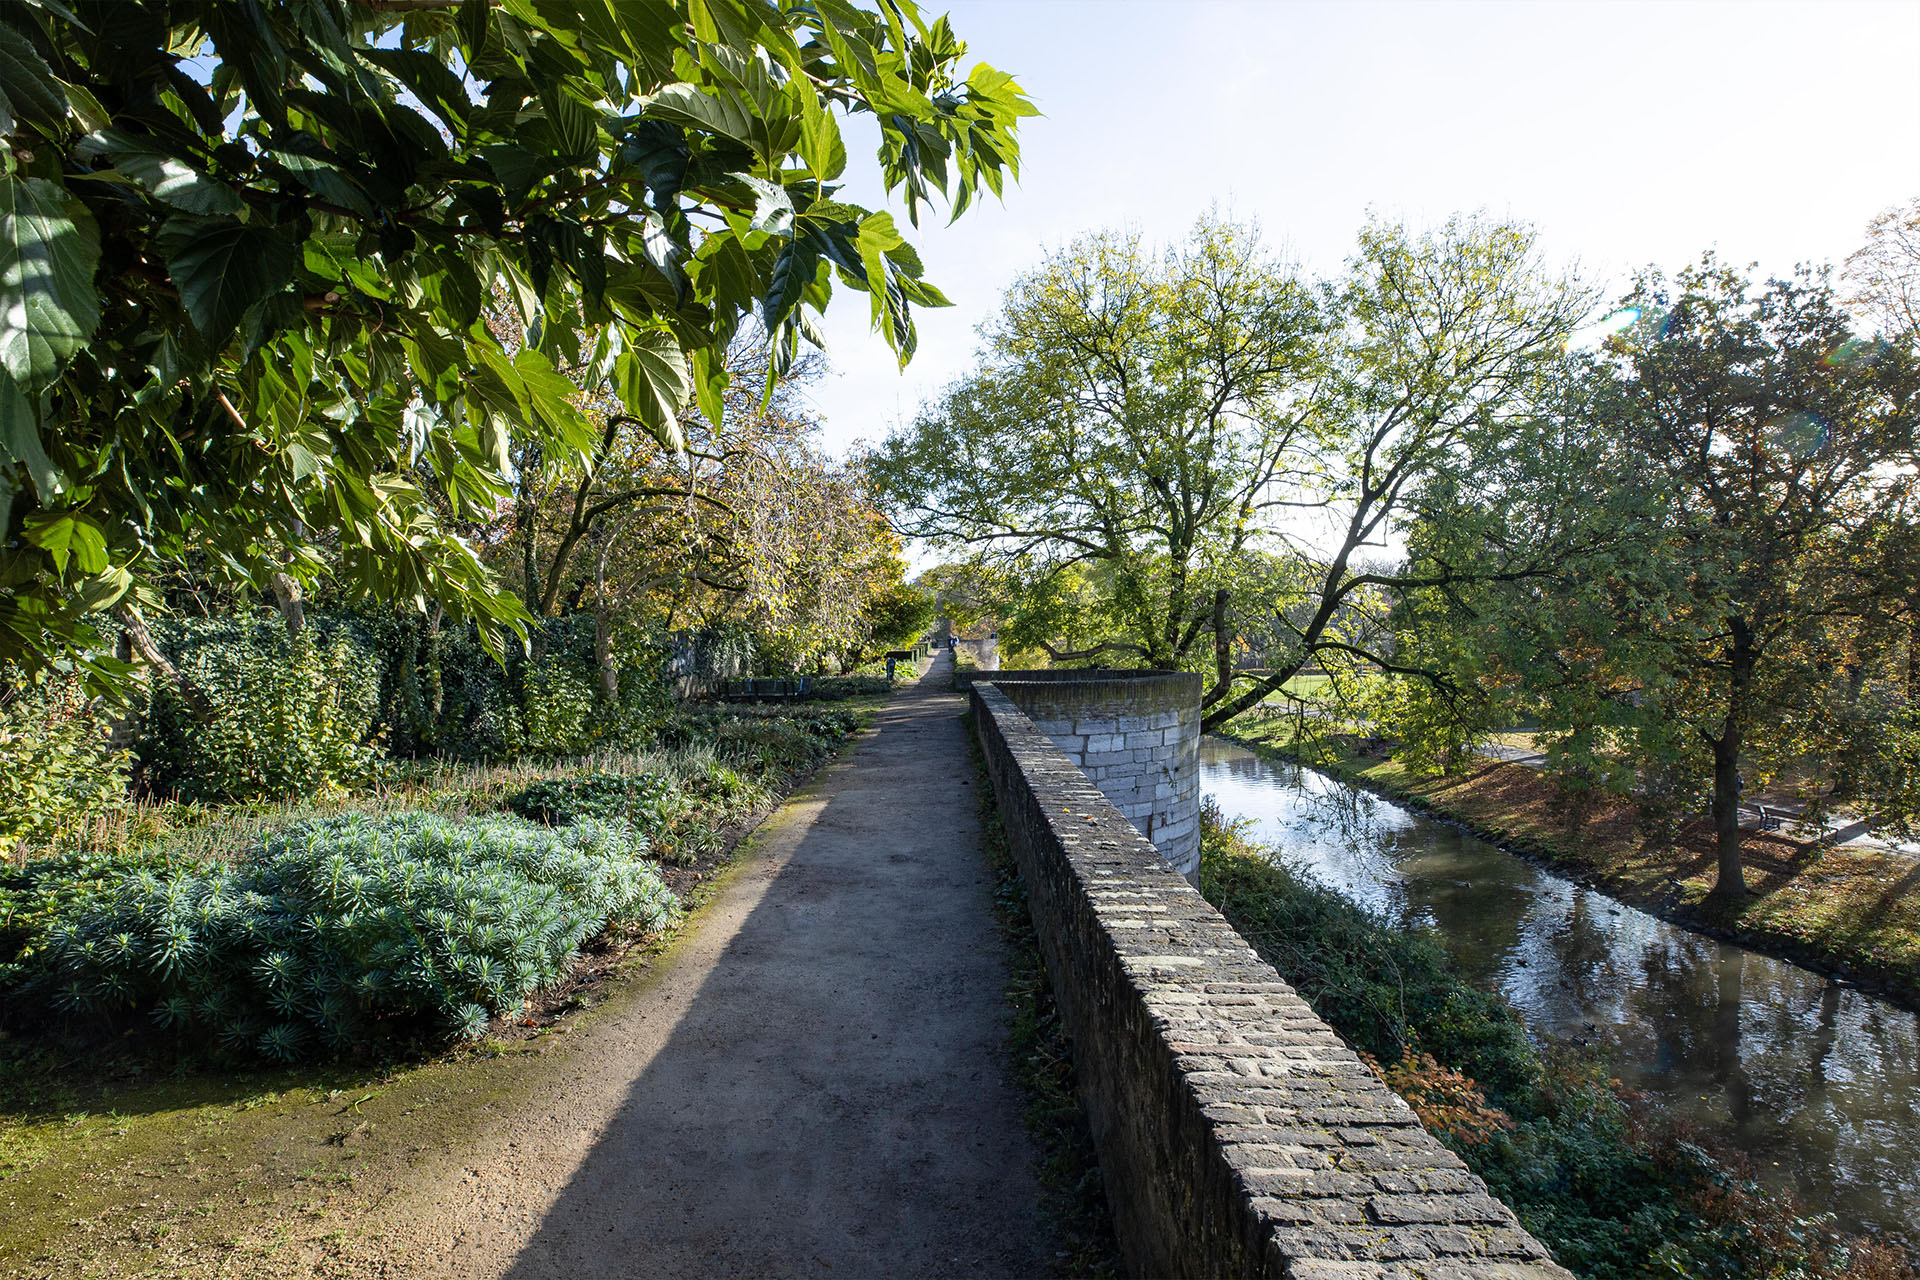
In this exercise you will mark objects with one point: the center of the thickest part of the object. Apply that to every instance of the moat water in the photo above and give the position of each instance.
(1816, 1082)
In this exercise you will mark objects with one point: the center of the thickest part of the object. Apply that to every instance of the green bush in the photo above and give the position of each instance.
(46, 891)
(284, 715)
(58, 765)
(427, 690)
(559, 700)
(840, 688)
(647, 800)
(780, 743)
(346, 932)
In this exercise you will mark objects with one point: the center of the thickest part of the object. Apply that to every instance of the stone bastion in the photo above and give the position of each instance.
(1135, 734)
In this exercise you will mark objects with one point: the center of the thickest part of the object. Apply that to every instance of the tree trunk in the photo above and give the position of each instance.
(524, 517)
(1731, 879)
(607, 674)
(1913, 661)
(1168, 659)
(437, 701)
(287, 594)
(1741, 659)
(1222, 651)
(144, 644)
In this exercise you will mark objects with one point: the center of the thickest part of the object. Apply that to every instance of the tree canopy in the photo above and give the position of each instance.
(247, 251)
(1751, 462)
(1172, 422)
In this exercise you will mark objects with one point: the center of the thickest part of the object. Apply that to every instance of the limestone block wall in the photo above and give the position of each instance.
(1237, 1135)
(1136, 736)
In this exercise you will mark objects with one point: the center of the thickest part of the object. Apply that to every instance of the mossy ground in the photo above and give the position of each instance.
(1074, 1197)
(114, 1162)
(1850, 910)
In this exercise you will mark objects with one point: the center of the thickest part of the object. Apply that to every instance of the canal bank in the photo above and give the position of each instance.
(1850, 913)
(1816, 1083)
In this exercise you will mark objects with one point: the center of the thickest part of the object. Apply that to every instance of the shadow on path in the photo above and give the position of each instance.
(834, 1099)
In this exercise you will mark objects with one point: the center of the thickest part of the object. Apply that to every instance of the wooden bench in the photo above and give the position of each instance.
(782, 690)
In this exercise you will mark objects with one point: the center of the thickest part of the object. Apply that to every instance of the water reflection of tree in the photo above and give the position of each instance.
(1765, 1056)
(1729, 1072)
(1574, 974)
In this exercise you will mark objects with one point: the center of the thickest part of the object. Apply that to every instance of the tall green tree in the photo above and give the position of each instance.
(1133, 410)
(1761, 460)
(245, 251)
(1448, 343)
(1231, 447)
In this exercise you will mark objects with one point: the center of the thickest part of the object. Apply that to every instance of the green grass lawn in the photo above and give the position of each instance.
(1301, 686)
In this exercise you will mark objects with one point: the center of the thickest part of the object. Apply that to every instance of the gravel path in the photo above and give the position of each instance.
(816, 1083)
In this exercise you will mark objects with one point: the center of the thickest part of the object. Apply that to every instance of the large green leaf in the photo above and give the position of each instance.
(655, 384)
(171, 179)
(791, 272)
(69, 535)
(576, 128)
(326, 180)
(31, 89)
(49, 248)
(683, 104)
(221, 268)
(820, 142)
(20, 439)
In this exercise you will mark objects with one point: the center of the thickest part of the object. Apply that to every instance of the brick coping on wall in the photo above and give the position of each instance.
(963, 680)
(1237, 1134)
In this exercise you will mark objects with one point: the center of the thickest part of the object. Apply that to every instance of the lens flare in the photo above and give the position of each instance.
(1855, 352)
(1620, 321)
(1800, 435)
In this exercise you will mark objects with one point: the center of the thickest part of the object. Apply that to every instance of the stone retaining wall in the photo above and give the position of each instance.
(1237, 1134)
(1135, 734)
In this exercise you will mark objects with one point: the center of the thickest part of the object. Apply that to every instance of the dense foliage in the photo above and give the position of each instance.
(1551, 1135)
(248, 249)
(61, 765)
(283, 715)
(644, 799)
(299, 715)
(338, 934)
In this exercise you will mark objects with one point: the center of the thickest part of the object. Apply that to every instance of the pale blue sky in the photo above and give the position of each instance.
(1627, 133)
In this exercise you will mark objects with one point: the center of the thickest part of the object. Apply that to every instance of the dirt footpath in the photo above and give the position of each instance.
(815, 1086)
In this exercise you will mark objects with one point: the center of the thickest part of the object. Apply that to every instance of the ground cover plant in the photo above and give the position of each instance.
(1844, 909)
(397, 916)
(776, 740)
(1611, 1192)
(643, 799)
(341, 934)
(681, 809)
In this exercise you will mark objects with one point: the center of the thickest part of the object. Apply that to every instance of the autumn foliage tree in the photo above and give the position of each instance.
(1759, 456)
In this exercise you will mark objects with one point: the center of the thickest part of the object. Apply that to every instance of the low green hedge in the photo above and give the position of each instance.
(785, 743)
(334, 935)
(840, 688)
